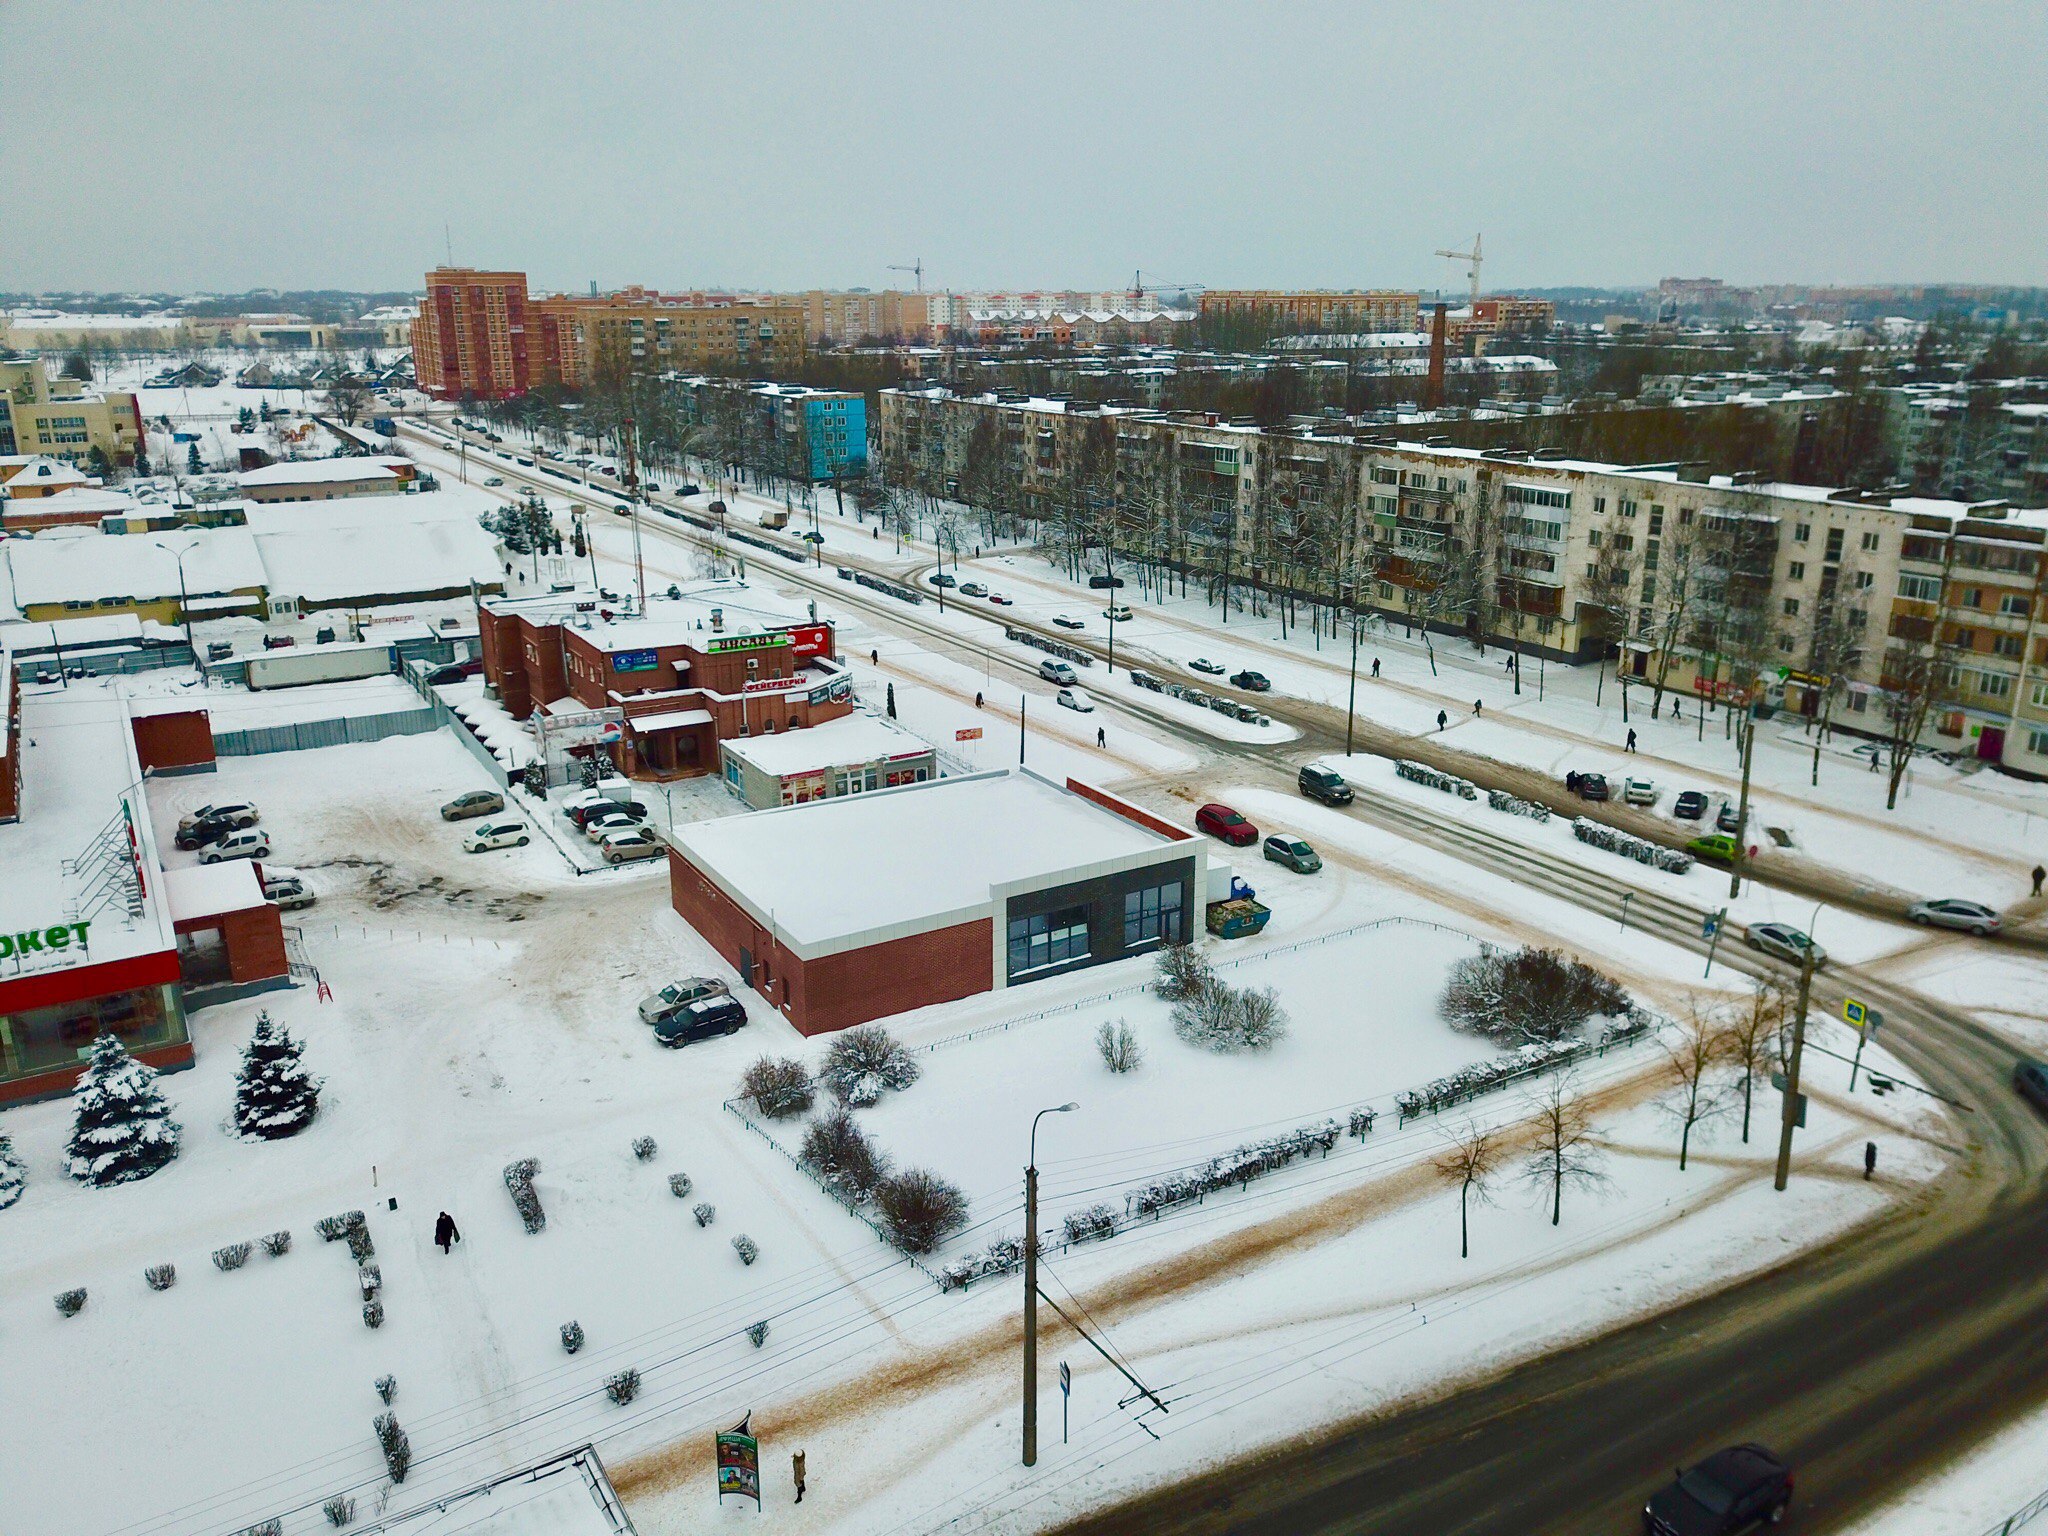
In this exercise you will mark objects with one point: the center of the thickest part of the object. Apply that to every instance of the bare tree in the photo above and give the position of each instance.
(1470, 1162)
(348, 401)
(1692, 1061)
(1751, 1032)
(1672, 561)
(1834, 645)
(1920, 674)
(1564, 1149)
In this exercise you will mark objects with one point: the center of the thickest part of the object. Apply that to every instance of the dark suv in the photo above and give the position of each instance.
(1732, 1490)
(1324, 784)
(2031, 1079)
(705, 1019)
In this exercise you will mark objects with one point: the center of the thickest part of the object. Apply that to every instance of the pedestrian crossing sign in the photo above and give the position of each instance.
(1854, 1012)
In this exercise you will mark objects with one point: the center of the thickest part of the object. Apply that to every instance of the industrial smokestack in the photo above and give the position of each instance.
(1433, 395)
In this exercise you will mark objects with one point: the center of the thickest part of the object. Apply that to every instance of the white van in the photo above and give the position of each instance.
(1057, 671)
(496, 834)
(249, 843)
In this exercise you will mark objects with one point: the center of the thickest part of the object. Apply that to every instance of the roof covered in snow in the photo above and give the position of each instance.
(318, 472)
(837, 743)
(134, 566)
(335, 564)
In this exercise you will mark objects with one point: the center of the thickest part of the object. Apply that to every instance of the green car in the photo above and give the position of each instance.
(1294, 853)
(1714, 848)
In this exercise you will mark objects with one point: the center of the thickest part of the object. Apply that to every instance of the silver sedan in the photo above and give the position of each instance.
(1970, 916)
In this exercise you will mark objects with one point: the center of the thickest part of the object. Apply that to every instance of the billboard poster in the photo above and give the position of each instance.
(739, 1462)
(812, 639)
(635, 661)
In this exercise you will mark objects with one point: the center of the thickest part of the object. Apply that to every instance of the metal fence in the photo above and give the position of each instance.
(304, 735)
(2038, 1505)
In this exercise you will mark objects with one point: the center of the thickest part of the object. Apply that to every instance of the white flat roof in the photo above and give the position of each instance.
(671, 720)
(318, 472)
(836, 874)
(833, 744)
(208, 890)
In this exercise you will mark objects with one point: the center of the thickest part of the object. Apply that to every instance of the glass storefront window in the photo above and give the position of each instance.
(1152, 913)
(1050, 938)
(50, 1039)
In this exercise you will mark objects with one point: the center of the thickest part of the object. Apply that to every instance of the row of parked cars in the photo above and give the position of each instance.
(231, 829)
(615, 825)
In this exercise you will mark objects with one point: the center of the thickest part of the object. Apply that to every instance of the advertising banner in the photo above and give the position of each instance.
(636, 661)
(728, 643)
(812, 639)
(739, 1462)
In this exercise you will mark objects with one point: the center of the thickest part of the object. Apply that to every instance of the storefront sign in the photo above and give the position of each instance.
(636, 661)
(739, 1462)
(727, 643)
(767, 684)
(35, 943)
(812, 639)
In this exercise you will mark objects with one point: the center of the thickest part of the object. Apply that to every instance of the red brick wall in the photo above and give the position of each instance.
(180, 740)
(50, 1085)
(255, 944)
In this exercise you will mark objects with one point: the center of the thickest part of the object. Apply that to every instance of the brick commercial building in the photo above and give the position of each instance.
(470, 339)
(851, 909)
(840, 757)
(658, 691)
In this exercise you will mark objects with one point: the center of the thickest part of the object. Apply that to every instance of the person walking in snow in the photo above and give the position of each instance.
(1869, 1160)
(1375, 666)
(444, 1231)
(2040, 874)
(1101, 737)
(1442, 719)
(1631, 740)
(796, 1468)
(1475, 708)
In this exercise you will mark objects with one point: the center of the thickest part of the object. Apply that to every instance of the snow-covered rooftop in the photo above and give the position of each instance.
(318, 472)
(336, 564)
(133, 566)
(833, 744)
(208, 890)
(685, 619)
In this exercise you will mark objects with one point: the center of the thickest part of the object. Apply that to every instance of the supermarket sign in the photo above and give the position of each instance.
(32, 944)
(729, 643)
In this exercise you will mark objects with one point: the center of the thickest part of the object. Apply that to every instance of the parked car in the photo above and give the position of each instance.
(478, 802)
(202, 834)
(1075, 698)
(1639, 791)
(597, 826)
(236, 813)
(973, 589)
(249, 843)
(2031, 1079)
(1293, 852)
(1970, 916)
(1068, 621)
(1206, 667)
(1587, 786)
(843, 572)
(656, 1006)
(1730, 819)
(1057, 671)
(1220, 821)
(1784, 941)
(622, 847)
(1690, 805)
(812, 537)
(1714, 848)
(456, 671)
(495, 480)
(688, 488)
(941, 579)
(1105, 583)
(1000, 600)
(583, 804)
(287, 891)
(1251, 682)
(1732, 1490)
(1324, 784)
(496, 834)
(705, 1019)
(1117, 613)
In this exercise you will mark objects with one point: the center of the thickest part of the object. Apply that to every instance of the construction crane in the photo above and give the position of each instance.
(916, 268)
(1472, 259)
(1138, 287)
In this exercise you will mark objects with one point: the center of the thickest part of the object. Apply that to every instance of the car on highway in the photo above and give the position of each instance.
(1732, 1490)
(495, 480)
(1690, 805)
(973, 589)
(813, 537)
(943, 579)
(1105, 583)
(1068, 621)
(1587, 786)
(1714, 848)
(1221, 822)
(236, 813)
(1053, 670)
(1117, 613)
(1324, 784)
(1251, 682)
(1784, 941)
(1730, 819)
(705, 1019)
(1000, 600)
(249, 843)
(496, 834)
(624, 846)
(1969, 916)
(1639, 791)
(1293, 852)
(1206, 667)
(2030, 1078)
(689, 489)
(478, 802)
(656, 1006)
(1075, 698)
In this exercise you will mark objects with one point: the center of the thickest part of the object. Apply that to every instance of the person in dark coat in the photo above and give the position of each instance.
(1631, 741)
(2040, 874)
(796, 1467)
(1442, 719)
(1375, 666)
(444, 1231)
(1869, 1159)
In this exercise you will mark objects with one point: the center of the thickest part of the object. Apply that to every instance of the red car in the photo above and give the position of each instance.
(1220, 821)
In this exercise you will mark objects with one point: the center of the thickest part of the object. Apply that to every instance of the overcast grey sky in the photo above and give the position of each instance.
(229, 145)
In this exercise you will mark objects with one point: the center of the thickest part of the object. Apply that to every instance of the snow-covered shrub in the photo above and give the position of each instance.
(1119, 1046)
(1527, 994)
(233, 1256)
(705, 1212)
(277, 1244)
(779, 1087)
(864, 1063)
(334, 1228)
(746, 1248)
(275, 1096)
(839, 1152)
(161, 1277)
(1501, 800)
(1486, 1076)
(1098, 1221)
(396, 1445)
(124, 1129)
(270, 1527)
(387, 1389)
(1000, 1258)
(759, 1334)
(13, 1173)
(360, 1248)
(1450, 783)
(1233, 1170)
(371, 1279)
(339, 1510)
(919, 1210)
(623, 1386)
(373, 1313)
(1227, 1018)
(1361, 1123)
(1599, 835)
(1163, 1194)
(1181, 971)
(572, 1336)
(519, 1180)
(644, 1148)
(679, 1185)
(71, 1303)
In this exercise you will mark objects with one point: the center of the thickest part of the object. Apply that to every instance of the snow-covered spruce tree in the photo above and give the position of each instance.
(124, 1130)
(13, 1174)
(275, 1096)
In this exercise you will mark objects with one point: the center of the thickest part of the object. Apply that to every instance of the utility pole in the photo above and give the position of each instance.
(632, 478)
(1351, 706)
(1791, 1110)
(1742, 809)
(1031, 1288)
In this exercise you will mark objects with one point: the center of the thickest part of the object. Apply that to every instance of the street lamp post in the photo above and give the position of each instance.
(1351, 706)
(184, 598)
(1031, 1287)
(1790, 1115)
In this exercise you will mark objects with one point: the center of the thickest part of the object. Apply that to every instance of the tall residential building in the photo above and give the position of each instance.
(1377, 309)
(470, 338)
(64, 418)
